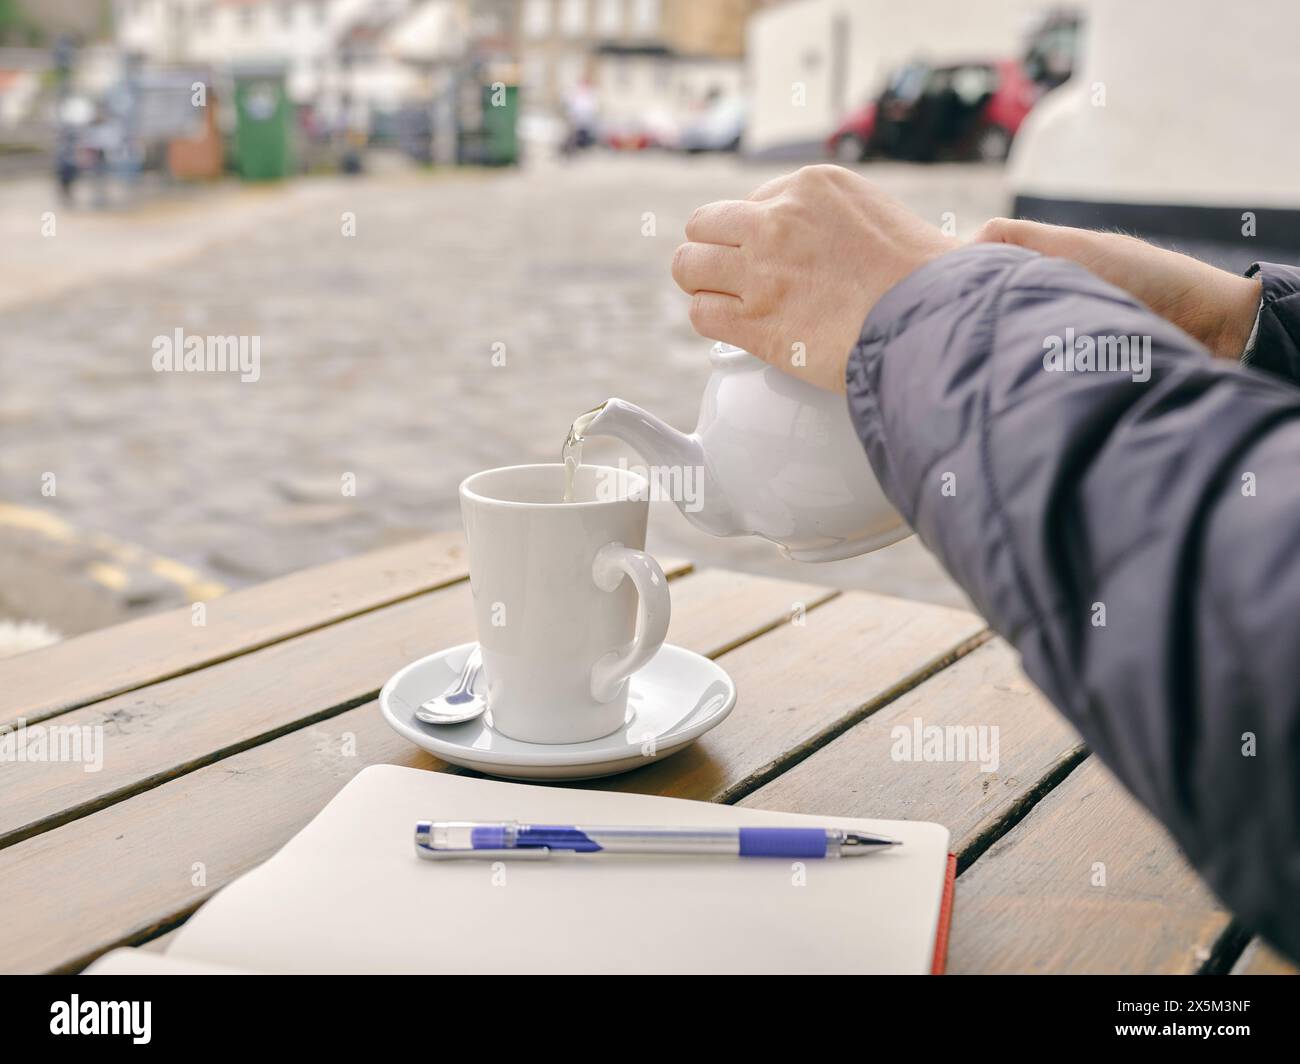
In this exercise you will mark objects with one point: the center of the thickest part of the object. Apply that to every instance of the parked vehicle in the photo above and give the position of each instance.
(625, 136)
(1052, 48)
(851, 142)
(856, 137)
(958, 111)
(961, 110)
(653, 128)
(718, 128)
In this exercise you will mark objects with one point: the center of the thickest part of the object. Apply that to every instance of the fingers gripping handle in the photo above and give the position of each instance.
(612, 563)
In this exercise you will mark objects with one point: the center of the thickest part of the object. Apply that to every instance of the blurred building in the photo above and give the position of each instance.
(36, 23)
(384, 66)
(651, 63)
(28, 31)
(319, 43)
(809, 62)
(651, 66)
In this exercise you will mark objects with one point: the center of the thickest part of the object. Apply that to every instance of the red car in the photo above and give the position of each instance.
(851, 141)
(959, 111)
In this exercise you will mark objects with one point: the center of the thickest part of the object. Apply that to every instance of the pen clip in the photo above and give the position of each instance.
(527, 853)
(425, 847)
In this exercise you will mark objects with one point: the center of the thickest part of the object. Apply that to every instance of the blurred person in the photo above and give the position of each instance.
(1131, 529)
(102, 142)
(581, 115)
(66, 169)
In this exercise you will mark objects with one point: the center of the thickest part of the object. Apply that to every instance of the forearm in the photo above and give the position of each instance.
(1101, 523)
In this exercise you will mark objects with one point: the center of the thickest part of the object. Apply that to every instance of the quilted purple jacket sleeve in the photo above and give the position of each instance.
(1133, 530)
(1277, 339)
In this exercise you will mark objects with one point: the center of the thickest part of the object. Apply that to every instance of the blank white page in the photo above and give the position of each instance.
(348, 894)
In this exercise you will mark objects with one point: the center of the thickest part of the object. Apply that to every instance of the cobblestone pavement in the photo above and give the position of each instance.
(376, 352)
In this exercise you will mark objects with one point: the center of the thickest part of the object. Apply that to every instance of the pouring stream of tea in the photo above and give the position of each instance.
(571, 453)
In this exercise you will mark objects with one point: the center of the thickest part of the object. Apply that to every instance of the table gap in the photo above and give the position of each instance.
(748, 786)
(1048, 782)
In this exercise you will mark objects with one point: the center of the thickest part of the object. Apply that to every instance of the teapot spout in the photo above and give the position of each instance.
(654, 440)
(678, 468)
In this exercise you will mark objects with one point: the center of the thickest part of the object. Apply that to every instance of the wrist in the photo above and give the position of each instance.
(1238, 309)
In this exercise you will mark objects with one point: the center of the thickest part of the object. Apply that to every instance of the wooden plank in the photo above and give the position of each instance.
(803, 683)
(140, 866)
(121, 874)
(1037, 902)
(99, 665)
(128, 656)
(1259, 958)
(167, 729)
(866, 771)
(718, 609)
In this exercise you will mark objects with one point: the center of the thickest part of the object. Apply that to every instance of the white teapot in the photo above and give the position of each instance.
(777, 458)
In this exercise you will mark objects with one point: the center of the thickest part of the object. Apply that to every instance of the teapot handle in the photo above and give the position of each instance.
(614, 561)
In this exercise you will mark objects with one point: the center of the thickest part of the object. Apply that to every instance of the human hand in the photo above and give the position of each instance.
(791, 272)
(1210, 305)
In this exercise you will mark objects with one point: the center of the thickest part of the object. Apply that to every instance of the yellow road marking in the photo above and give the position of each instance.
(110, 576)
(113, 576)
(39, 521)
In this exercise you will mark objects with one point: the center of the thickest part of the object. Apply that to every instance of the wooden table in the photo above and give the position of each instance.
(223, 738)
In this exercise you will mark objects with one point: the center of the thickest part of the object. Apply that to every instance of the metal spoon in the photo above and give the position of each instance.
(458, 703)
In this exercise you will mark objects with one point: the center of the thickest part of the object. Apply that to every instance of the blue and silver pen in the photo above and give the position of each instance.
(508, 838)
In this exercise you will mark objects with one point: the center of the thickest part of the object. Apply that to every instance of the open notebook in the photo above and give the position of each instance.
(348, 894)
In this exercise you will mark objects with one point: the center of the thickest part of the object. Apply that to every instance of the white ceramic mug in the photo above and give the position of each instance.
(560, 627)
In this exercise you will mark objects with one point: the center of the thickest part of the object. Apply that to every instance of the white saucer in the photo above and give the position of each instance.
(674, 700)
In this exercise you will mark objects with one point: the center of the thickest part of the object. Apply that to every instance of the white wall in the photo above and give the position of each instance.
(794, 44)
(1199, 108)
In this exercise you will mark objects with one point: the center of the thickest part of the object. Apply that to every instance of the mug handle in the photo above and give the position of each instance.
(613, 562)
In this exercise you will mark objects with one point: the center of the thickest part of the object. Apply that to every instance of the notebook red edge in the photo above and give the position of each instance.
(945, 918)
